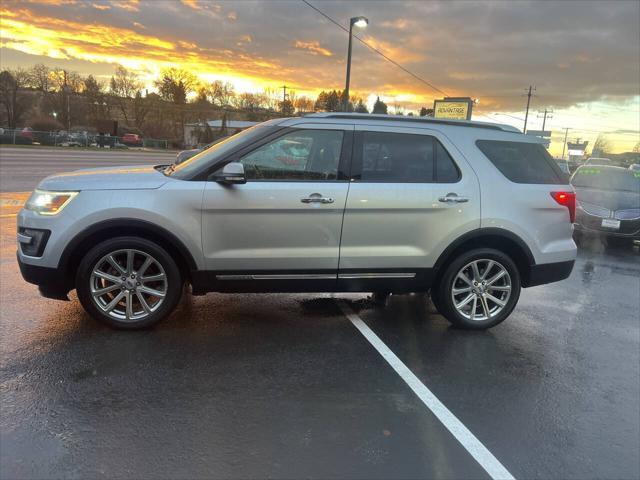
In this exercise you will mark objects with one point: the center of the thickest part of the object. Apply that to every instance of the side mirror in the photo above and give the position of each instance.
(231, 174)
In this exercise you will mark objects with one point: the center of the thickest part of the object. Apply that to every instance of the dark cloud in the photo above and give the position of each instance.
(574, 52)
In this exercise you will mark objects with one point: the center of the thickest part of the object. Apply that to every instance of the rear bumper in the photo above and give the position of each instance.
(548, 273)
(51, 281)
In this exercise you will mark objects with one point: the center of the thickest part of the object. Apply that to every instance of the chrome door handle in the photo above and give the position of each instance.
(316, 198)
(453, 198)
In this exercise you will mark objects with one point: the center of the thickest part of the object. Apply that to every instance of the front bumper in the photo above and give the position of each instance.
(51, 281)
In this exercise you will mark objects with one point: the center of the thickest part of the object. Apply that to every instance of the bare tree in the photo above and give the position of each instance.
(250, 101)
(273, 98)
(222, 93)
(124, 85)
(40, 78)
(15, 103)
(303, 104)
(601, 146)
(93, 92)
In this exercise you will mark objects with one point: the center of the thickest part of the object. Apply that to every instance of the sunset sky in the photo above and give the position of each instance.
(583, 58)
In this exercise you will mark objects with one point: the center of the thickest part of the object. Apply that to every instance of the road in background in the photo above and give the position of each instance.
(284, 386)
(21, 169)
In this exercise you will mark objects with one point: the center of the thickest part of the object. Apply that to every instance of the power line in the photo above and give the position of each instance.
(575, 128)
(371, 47)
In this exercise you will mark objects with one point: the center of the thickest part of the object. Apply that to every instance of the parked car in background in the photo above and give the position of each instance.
(598, 161)
(132, 140)
(26, 132)
(187, 154)
(635, 167)
(608, 203)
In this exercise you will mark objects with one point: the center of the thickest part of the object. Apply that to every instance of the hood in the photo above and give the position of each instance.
(611, 199)
(141, 177)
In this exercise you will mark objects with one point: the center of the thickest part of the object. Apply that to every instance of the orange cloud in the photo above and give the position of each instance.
(313, 47)
(192, 3)
(27, 32)
(397, 52)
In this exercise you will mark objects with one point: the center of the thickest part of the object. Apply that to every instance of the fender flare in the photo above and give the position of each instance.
(126, 223)
(478, 234)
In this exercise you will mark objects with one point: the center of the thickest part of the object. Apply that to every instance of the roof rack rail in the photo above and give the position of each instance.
(423, 120)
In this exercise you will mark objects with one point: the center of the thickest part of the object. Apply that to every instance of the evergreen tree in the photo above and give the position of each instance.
(379, 106)
(361, 107)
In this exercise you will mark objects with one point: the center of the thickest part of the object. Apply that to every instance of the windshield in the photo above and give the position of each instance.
(614, 179)
(218, 151)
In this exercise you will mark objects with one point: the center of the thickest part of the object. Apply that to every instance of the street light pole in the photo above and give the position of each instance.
(358, 22)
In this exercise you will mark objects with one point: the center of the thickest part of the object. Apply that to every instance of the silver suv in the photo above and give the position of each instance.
(330, 202)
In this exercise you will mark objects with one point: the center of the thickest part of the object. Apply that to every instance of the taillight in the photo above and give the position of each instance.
(568, 199)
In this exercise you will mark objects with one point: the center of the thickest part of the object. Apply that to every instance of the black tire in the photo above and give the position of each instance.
(173, 286)
(380, 299)
(434, 298)
(443, 300)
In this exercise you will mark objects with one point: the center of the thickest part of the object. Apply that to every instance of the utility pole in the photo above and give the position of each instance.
(526, 115)
(284, 97)
(566, 132)
(545, 116)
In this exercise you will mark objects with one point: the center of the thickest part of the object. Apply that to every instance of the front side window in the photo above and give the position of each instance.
(405, 158)
(300, 155)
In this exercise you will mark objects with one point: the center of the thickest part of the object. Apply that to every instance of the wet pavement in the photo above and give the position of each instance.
(285, 386)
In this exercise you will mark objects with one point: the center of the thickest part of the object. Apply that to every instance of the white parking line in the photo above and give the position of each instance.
(467, 439)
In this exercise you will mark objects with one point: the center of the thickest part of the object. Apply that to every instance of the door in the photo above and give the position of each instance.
(411, 194)
(285, 222)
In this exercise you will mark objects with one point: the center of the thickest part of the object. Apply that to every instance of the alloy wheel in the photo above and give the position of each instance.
(481, 289)
(128, 284)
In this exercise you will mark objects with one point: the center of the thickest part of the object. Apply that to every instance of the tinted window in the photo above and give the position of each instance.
(404, 158)
(301, 155)
(615, 179)
(523, 162)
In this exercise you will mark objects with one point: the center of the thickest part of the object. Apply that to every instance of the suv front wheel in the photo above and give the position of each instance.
(478, 290)
(128, 282)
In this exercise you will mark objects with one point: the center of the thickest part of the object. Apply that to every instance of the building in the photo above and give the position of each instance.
(192, 130)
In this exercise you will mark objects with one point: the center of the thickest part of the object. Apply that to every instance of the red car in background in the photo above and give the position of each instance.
(132, 139)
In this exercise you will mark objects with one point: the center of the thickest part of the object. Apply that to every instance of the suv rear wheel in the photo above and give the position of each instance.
(479, 289)
(128, 283)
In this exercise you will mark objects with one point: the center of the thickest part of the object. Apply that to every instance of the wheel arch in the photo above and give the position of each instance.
(89, 237)
(498, 238)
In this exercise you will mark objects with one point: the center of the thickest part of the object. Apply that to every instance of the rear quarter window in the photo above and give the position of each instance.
(523, 162)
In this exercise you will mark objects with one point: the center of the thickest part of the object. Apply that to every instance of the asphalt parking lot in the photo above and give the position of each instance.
(286, 386)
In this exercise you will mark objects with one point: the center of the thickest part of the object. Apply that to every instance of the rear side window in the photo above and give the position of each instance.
(523, 162)
(404, 158)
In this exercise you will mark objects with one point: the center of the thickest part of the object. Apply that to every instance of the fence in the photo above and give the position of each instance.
(76, 139)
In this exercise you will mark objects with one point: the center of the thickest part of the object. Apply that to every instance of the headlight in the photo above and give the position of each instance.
(48, 203)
